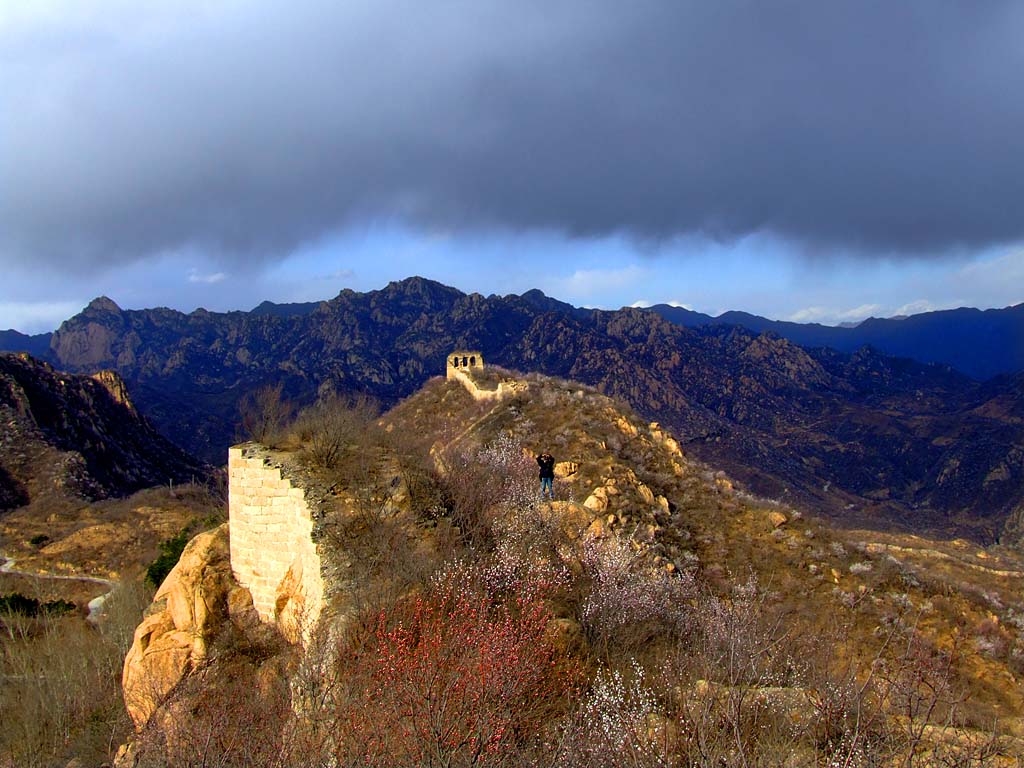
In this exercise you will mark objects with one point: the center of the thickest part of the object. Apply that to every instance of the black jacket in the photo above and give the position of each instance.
(547, 466)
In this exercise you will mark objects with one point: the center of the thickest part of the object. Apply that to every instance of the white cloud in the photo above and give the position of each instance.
(862, 312)
(679, 305)
(916, 307)
(591, 283)
(36, 316)
(640, 304)
(208, 279)
(810, 315)
(834, 315)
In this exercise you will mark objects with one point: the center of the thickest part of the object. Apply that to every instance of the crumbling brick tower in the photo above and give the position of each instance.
(463, 361)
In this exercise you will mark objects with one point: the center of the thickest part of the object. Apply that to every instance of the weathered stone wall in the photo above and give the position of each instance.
(273, 552)
(505, 388)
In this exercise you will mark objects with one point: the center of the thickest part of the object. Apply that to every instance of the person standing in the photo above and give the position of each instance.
(547, 475)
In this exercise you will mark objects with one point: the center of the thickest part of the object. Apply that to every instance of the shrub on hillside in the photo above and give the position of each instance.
(337, 433)
(29, 606)
(486, 486)
(740, 642)
(265, 414)
(626, 591)
(451, 677)
(170, 553)
(618, 722)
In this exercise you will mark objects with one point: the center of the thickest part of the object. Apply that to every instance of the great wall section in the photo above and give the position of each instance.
(272, 519)
(274, 552)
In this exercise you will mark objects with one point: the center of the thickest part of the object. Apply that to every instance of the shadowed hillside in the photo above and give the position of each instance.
(73, 436)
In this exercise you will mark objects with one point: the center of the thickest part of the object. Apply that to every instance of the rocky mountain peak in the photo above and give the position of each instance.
(431, 291)
(103, 304)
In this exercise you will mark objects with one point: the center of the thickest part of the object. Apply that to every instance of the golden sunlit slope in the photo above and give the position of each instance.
(622, 476)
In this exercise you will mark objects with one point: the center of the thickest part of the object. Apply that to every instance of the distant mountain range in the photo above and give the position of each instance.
(979, 343)
(37, 345)
(864, 437)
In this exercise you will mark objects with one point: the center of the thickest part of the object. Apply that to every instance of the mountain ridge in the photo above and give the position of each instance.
(74, 436)
(982, 343)
(863, 436)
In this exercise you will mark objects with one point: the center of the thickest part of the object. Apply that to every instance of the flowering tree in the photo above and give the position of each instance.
(626, 590)
(488, 485)
(618, 723)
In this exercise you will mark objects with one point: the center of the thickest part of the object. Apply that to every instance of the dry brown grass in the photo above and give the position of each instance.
(60, 693)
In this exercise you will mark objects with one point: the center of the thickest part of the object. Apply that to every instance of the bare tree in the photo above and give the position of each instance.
(265, 413)
(336, 430)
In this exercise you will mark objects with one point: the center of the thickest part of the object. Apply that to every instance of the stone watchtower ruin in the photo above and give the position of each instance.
(463, 361)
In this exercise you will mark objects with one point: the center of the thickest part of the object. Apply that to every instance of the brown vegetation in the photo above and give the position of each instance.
(60, 691)
(684, 624)
(673, 621)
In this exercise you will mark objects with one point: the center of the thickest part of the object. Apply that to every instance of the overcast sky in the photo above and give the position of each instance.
(803, 160)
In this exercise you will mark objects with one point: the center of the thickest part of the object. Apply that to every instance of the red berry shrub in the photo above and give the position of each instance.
(452, 678)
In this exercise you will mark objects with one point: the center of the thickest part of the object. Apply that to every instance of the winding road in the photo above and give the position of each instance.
(95, 605)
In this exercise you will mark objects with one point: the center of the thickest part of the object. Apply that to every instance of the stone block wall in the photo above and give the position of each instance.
(273, 552)
(505, 388)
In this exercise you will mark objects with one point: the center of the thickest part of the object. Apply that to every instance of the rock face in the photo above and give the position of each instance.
(201, 602)
(187, 611)
(77, 435)
(114, 384)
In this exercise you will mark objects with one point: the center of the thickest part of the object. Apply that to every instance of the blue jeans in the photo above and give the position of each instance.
(547, 484)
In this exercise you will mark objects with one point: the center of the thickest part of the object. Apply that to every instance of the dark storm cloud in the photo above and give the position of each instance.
(130, 129)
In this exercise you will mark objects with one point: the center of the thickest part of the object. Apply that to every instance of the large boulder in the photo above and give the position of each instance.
(597, 501)
(187, 611)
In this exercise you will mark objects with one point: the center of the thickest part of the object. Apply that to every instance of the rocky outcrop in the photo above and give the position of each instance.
(258, 577)
(187, 610)
(198, 602)
(80, 435)
(114, 384)
(200, 655)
